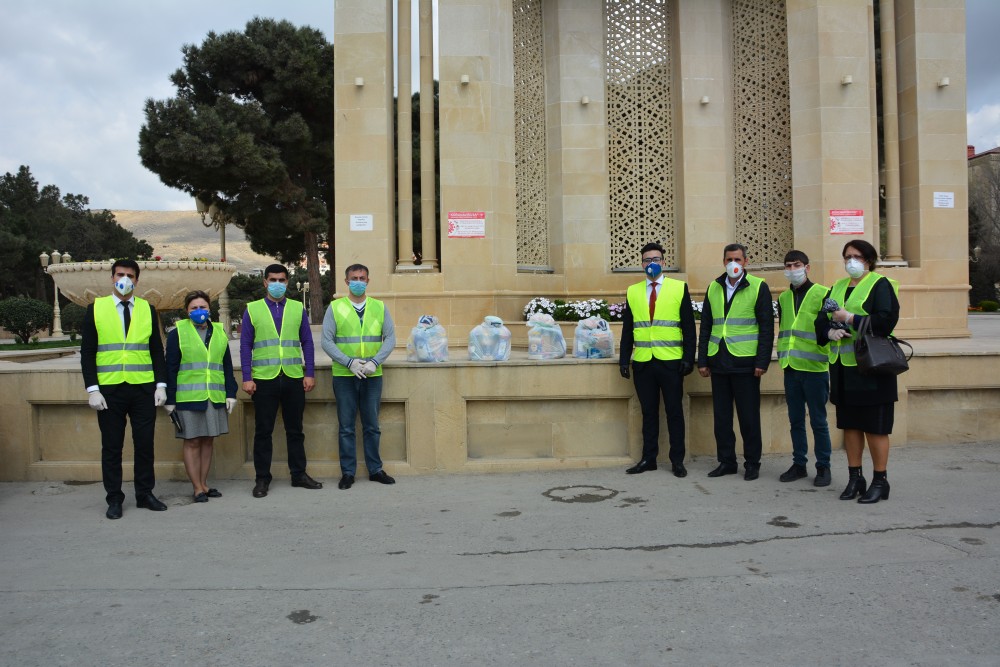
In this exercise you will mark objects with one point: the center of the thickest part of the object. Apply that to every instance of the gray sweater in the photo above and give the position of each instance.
(330, 333)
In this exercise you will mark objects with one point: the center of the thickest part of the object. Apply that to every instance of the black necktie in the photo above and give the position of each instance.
(127, 312)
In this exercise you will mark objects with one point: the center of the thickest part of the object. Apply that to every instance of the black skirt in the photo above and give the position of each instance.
(875, 419)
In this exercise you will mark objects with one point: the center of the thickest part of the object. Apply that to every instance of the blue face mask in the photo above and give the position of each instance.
(653, 270)
(199, 315)
(357, 287)
(277, 290)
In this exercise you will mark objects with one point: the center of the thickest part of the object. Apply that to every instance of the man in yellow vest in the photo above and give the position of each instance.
(277, 361)
(806, 367)
(658, 336)
(121, 356)
(359, 335)
(734, 349)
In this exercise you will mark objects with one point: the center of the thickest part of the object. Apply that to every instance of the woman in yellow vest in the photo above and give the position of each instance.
(865, 403)
(201, 389)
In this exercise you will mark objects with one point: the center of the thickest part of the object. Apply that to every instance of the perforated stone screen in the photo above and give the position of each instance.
(762, 136)
(638, 89)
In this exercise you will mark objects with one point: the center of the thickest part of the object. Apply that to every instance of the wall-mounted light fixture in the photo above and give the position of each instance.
(464, 79)
(944, 82)
(704, 100)
(846, 80)
(584, 100)
(359, 81)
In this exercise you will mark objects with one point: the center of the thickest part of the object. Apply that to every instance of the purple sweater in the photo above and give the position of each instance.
(277, 309)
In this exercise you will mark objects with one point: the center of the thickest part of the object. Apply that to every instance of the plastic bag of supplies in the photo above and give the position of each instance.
(545, 338)
(593, 339)
(489, 341)
(428, 341)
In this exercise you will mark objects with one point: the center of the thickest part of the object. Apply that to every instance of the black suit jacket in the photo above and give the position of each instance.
(88, 349)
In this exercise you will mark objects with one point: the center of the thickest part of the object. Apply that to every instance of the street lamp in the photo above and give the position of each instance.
(54, 258)
(214, 216)
(304, 289)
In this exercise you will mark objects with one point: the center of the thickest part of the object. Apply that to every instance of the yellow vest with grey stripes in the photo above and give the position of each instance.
(122, 358)
(357, 339)
(739, 328)
(273, 353)
(797, 348)
(201, 376)
(843, 349)
(658, 336)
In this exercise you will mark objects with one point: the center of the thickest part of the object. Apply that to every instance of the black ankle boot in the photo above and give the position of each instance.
(856, 485)
(879, 490)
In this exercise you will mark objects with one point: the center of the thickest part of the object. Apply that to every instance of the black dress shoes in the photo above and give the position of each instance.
(822, 476)
(382, 477)
(346, 482)
(114, 511)
(724, 469)
(752, 471)
(150, 502)
(201, 498)
(794, 473)
(641, 466)
(213, 493)
(856, 486)
(307, 482)
(680, 470)
(879, 490)
(260, 488)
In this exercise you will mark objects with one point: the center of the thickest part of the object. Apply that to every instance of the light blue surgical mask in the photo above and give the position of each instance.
(199, 315)
(357, 287)
(276, 290)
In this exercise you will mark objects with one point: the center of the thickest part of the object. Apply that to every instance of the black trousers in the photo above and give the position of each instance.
(653, 378)
(133, 402)
(288, 394)
(743, 389)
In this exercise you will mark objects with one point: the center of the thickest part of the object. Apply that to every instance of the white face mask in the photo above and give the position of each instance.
(855, 267)
(124, 285)
(734, 270)
(796, 276)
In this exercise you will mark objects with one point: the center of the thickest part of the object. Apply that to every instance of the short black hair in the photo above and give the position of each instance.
(126, 263)
(796, 256)
(356, 267)
(196, 294)
(733, 247)
(275, 268)
(866, 249)
(652, 246)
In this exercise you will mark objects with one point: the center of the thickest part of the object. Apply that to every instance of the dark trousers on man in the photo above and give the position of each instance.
(288, 394)
(652, 379)
(743, 389)
(135, 403)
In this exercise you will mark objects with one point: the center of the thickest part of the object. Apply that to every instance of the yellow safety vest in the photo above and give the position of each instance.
(797, 346)
(739, 328)
(357, 339)
(844, 348)
(201, 376)
(273, 353)
(660, 337)
(122, 358)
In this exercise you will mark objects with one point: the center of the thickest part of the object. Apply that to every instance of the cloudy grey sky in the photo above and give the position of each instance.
(75, 74)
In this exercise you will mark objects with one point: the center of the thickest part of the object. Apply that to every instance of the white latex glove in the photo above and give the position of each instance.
(369, 367)
(160, 396)
(170, 408)
(837, 334)
(230, 404)
(357, 367)
(97, 401)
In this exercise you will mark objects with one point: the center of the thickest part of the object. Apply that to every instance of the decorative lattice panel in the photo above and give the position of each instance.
(529, 135)
(640, 129)
(761, 129)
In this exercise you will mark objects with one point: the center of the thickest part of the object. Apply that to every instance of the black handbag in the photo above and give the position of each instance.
(879, 355)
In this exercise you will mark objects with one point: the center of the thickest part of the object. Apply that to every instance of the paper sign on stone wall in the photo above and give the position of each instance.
(466, 224)
(847, 221)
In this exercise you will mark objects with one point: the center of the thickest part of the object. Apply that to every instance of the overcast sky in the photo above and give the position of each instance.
(74, 76)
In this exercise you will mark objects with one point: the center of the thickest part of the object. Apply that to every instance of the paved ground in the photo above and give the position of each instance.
(587, 567)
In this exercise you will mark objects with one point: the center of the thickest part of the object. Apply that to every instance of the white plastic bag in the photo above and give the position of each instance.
(489, 341)
(545, 338)
(593, 339)
(428, 341)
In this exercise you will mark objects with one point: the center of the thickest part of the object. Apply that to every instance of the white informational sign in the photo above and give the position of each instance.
(466, 224)
(847, 221)
(944, 200)
(362, 222)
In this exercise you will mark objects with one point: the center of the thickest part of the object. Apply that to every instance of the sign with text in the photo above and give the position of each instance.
(944, 200)
(466, 224)
(847, 221)
(362, 222)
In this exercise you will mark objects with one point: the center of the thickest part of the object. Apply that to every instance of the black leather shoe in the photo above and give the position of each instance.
(724, 469)
(260, 488)
(382, 477)
(794, 473)
(150, 502)
(879, 490)
(346, 482)
(751, 472)
(856, 486)
(201, 498)
(114, 511)
(822, 476)
(641, 466)
(680, 470)
(213, 493)
(307, 482)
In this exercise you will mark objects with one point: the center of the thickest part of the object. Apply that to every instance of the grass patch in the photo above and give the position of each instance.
(41, 345)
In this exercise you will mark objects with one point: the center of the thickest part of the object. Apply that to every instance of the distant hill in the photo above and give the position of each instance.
(177, 234)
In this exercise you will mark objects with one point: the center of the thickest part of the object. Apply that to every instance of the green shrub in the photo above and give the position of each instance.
(72, 317)
(24, 317)
(989, 306)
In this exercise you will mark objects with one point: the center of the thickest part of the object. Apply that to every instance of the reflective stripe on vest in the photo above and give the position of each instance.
(200, 376)
(357, 339)
(272, 353)
(120, 358)
(661, 336)
(739, 328)
(797, 346)
(844, 348)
